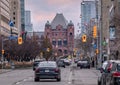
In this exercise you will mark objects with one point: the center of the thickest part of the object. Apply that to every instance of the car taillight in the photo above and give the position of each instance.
(57, 70)
(116, 74)
(37, 70)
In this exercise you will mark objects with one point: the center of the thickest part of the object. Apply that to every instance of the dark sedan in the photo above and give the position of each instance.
(47, 70)
(83, 64)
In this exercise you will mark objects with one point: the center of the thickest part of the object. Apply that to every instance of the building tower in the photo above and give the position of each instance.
(4, 17)
(15, 14)
(22, 5)
(61, 34)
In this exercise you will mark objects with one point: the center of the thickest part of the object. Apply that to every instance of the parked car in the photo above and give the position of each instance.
(78, 63)
(104, 70)
(67, 62)
(76, 60)
(47, 70)
(36, 63)
(61, 63)
(83, 64)
(113, 76)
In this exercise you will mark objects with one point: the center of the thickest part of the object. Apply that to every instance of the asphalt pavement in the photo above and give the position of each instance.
(69, 76)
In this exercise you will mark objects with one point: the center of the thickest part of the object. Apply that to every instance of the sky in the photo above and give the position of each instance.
(43, 10)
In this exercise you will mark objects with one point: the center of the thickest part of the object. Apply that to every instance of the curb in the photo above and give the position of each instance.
(95, 71)
(5, 71)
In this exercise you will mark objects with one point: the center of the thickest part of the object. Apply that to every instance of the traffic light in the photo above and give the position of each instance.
(84, 38)
(3, 51)
(97, 51)
(20, 41)
(95, 31)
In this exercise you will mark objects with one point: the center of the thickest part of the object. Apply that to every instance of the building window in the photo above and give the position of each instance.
(59, 42)
(14, 18)
(14, 2)
(47, 33)
(65, 52)
(70, 34)
(65, 42)
(54, 42)
(13, 13)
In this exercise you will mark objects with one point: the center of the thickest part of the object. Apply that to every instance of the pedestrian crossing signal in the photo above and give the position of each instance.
(20, 41)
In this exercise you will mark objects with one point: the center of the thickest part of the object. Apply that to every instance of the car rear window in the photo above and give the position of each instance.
(45, 64)
(84, 61)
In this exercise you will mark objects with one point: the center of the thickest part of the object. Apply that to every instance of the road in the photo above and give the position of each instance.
(69, 77)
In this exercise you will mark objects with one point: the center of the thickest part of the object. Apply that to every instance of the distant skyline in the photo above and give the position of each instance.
(43, 10)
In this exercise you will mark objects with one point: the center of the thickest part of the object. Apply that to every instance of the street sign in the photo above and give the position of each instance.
(94, 46)
(13, 37)
(11, 23)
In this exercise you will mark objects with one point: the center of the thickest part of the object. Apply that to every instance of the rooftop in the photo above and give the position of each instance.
(59, 20)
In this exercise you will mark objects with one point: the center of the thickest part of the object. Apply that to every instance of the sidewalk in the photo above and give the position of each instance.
(5, 70)
(97, 72)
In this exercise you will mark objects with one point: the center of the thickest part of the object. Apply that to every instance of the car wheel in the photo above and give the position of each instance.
(58, 79)
(36, 79)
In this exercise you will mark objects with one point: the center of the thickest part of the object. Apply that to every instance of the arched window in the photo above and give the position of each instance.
(65, 52)
(54, 42)
(65, 42)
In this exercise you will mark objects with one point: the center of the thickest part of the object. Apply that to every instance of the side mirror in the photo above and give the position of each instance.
(101, 70)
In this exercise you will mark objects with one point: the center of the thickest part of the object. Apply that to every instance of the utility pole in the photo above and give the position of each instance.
(99, 30)
(100, 53)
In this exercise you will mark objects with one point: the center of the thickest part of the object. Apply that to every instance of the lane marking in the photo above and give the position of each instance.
(18, 83)
(70, 78)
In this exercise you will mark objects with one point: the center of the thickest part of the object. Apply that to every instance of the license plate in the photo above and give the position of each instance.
(46, 70)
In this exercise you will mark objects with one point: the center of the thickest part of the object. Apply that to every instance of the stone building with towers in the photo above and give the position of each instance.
(61, 35)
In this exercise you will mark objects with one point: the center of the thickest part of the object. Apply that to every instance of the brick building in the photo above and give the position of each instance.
(61, 34)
